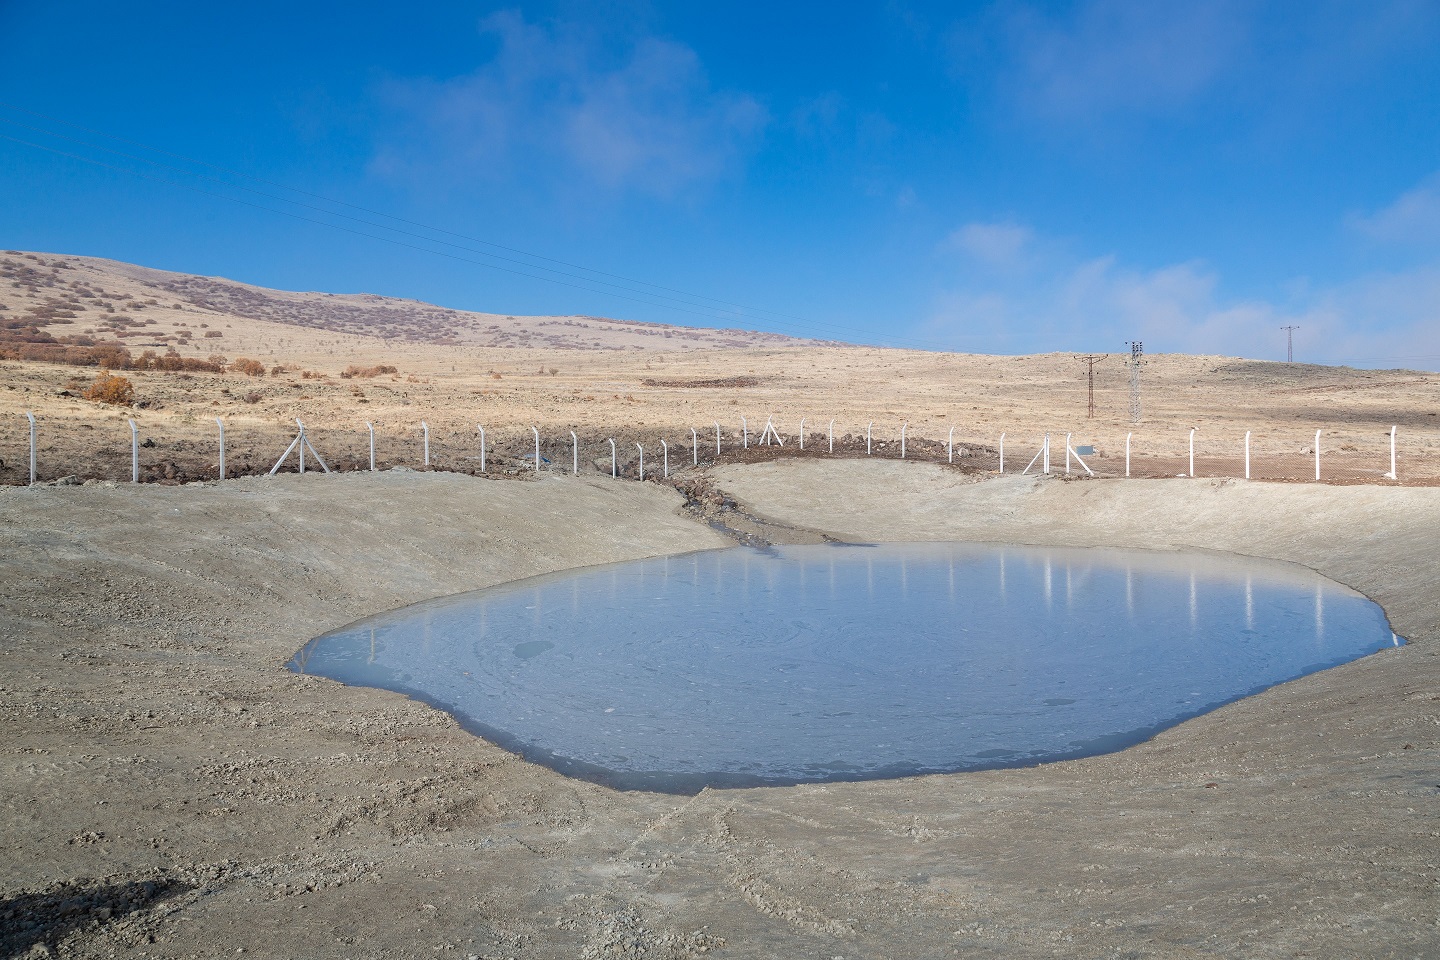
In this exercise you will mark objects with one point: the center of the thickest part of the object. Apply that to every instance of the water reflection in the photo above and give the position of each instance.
(741, 667)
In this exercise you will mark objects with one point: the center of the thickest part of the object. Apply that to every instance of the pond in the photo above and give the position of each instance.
(798, 664)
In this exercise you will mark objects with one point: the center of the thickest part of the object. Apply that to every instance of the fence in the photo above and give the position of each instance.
(511, 451)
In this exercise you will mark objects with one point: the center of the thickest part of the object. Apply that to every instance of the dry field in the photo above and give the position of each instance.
(636, 383)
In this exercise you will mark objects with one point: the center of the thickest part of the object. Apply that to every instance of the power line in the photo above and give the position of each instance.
(1090, 359)
(583, 283)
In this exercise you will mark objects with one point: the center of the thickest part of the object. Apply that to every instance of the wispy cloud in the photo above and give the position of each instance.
(1105, 55)
(1001, 244)
(556, 102)
(1414, 217)
(1064, 303)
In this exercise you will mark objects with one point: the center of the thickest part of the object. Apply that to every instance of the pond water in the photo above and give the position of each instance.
(802, 664)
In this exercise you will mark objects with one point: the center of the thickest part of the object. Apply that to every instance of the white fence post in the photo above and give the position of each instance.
(950, 445)
(1046, 451)
(1393, 475)
(1127, 452)
(642, 461)
(134, 453)
(744, 434)
(425, 429)
(221, 424)
(695, 446)
(802, 433)
(665, 456)
(1247, 454)
(717, 437)
(612, 459)
(574, 454)
(31, 417)
(536, 431)
(1317, 455)
(867, 437)
(482, 448)
(1067, 454)
(832, 435)
(371, 427)
(902, 438)
(1192, 453)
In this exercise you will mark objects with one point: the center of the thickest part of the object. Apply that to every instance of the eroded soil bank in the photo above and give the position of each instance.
(172, 790)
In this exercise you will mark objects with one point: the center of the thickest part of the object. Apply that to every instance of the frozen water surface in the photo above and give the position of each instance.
(818, 663)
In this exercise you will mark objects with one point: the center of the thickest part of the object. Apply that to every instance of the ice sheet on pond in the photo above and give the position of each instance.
(818, 663)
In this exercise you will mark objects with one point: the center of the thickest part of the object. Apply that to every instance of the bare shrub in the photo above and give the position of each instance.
(111, 388)
(212, 334)
(251, 397)
(356, 371)
(251, 368)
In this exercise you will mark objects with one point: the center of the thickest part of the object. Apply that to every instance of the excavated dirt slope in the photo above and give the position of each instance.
(171, 790)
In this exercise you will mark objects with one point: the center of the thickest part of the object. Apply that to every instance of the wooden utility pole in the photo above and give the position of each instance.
(1090, 359)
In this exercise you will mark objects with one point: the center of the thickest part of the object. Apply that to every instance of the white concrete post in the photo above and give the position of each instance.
(221, 424)
(802, 433)
(536, 431)
(1192, 453)
(867, 437)
(902, 438)
(31, 417)
(425, 429)
(1127, 453)
(1247, 454)
(1002, 453)
(1067, 454)
(574, 454)
(371, 427)
(482, 448)
(832, 436)
(613, 474)
(134, 453)
(642, 460)
(744, 434)
(695, 446)
(665, 456)
(300, 443)
(1046, 451)
(1317, 454)
(717, 437)
(950, 445)
(1393, 475)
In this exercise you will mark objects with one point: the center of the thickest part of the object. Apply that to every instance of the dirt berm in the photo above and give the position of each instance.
(171, 790)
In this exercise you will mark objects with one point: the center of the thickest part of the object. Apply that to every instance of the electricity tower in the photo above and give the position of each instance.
(1137, 350)
(1290, 343)
(1090, 359)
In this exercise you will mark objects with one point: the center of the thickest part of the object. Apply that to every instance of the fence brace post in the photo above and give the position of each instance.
(574, 454)
(221, 424)
(134, 453)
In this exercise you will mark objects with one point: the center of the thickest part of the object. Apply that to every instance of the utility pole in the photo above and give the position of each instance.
(1290, 343)
(1137, 350)
(1090, 359)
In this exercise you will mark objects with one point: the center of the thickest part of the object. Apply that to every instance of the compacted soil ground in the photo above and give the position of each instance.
(172, 790)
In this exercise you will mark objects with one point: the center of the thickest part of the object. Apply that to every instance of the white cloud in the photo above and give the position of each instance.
(553, 103)
(999, 244)
(1414, 217)
(1098, 304)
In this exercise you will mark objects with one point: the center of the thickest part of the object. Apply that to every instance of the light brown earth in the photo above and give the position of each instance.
(152, 735)
(638, 383)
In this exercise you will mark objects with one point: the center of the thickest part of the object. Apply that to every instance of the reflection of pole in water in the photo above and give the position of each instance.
(1003, 598)
(1249, 603)
(1319, 612)
(1130, 591)
(1047, 581)
(952, 578)
(1069, 589)
(372, 644)
(832, 576)
(425, 642)
(1193, 610)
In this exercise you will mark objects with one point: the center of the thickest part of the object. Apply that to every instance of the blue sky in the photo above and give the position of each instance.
(998, 177)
